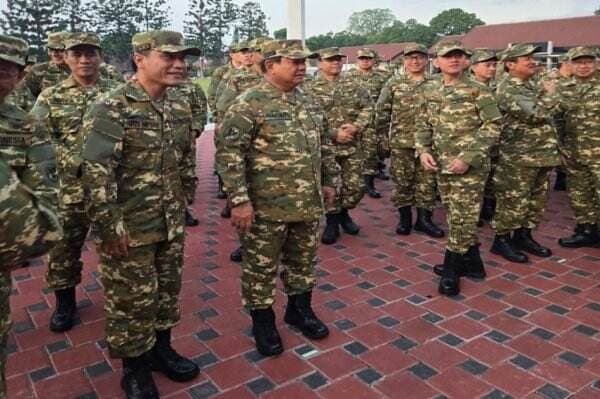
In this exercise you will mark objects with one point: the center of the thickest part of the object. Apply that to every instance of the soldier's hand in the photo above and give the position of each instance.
(344, 136)
(329, 195)
(428, 162)
(116, 248)
(350, 128)
(549, 86)
(242, 217)
(458, 167)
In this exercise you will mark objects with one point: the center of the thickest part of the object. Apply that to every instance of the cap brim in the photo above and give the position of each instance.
(415, 51)
(334, 55)
(188, 50)
(451, 49)
(582, 55)
(84, 45)
(297, 55)
(14, 60)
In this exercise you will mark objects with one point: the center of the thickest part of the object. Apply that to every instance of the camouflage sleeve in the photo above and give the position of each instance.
(199, 110)
(489, 131)
(236, 136)
(33, 81)
(30, 226)
(103, 143)
(364, 118)
(187, 165)
(329, 168)
(423, 130)
(227, 96)
(40, 116)
(211, 93)
(530, 109)
(383, 109)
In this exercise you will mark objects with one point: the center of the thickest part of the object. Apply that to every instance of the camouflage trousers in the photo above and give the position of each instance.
(352, 187)
(490, 189)
(264, 247)
(521, 193)
(462, 196)
(371, 141)
(5, 323)
(413, 185)
(64, 264)
(583, 184)
(142, 294)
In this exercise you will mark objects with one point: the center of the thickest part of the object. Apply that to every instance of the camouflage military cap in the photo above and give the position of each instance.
(13, 50)
(237, 47)
(366, 53)
(578, 52)
(287, 49)
(519, 50)
(444, 48)
(164, 41)
(56, 40)
(330, 52)
(31, 59)
(82, 39)
(415, 48)
(256, 44)
(482, 55)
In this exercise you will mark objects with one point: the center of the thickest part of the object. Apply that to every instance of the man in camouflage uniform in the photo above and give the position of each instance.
(349, 110)
(580, 102)
(373, 80)
(131, 170)
(58, 113)
(47, 74)
(278, 167)
(483, 70)
(22, 96)
(239, 55)
(27, 199)
(397, 112)
(460, 124)
(528, 152)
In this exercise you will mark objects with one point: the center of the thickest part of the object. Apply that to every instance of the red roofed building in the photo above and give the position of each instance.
(388, 52)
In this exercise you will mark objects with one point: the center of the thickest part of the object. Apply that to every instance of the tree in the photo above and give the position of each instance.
(207, 22)
(41, 21)
(370, 22)
(339, 39)
(116, 22)
(280, 34)
(155, 14)
(597, 12)
(252, 21)
(74, 15)
(454, 21)
(14, 19)
(409, 31)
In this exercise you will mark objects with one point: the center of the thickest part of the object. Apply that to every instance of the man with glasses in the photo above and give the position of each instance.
(349, 110)
(397, 112)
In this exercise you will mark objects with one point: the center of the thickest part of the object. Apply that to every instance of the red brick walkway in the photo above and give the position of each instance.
(528, 331)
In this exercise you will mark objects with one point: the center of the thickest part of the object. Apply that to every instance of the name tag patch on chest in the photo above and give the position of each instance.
(15, 141)
(276, 115)
(141, 124)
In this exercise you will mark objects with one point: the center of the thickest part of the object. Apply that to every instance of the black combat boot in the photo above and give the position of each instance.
(586, 235)
(332, 229)
(381, 171)
(472, 266)
(560, 184)
(63, 317)
(425, 225)
(523, 240)
(190, 220)
(220, 192)
(450, 281)
(503, 246)
(347, 223)
(299, 314)
(163, 358)
(236, 255)
(488, 209)
(137, 381)
(370, 186)
(266, 336)
(405, 223)
(226, 211)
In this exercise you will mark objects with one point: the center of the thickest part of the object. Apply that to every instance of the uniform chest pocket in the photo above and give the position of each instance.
(66, 120)
(141, 144)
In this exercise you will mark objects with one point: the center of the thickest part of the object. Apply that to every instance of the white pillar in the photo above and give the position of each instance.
(296, 20)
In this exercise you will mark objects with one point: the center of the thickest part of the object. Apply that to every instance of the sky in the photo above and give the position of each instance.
(324, 16)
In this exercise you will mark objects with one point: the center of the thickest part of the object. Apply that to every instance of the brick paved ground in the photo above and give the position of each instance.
(528, 331)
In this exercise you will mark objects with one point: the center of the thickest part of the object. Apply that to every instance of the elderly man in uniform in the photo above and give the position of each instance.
(397, 112)
(29, 225)
(278, 167)
(349, 110)
(528, 152)
(580, 102)
(58, 114)
(131, 169)
(373, 80)
(460, 124)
